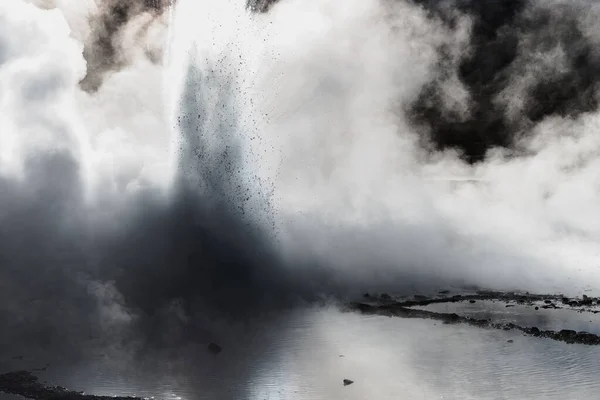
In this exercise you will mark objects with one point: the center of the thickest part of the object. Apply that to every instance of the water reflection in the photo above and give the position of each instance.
(311, 351)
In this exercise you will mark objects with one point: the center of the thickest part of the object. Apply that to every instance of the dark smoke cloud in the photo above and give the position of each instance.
(508, 39)
(103, 51)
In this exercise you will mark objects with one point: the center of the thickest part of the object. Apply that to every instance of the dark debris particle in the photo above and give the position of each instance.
(348, 382)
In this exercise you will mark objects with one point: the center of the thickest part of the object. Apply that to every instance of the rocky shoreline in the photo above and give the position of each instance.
(403, 308)
(25, 384)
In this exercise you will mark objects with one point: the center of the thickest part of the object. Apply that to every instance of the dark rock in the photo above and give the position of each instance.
(363, 307)
(348, 382)
(451, 318)
(567, 332)
(537, 308)
(471, 301)
(510, 341)
(444, 292)
(24, 384)
(214, 348)
(586, 301)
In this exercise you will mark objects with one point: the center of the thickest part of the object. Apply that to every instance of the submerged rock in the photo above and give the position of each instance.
(385, 296)
(214, 348)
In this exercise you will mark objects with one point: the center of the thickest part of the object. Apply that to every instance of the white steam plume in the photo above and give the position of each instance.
(300, 117)
(352, 187)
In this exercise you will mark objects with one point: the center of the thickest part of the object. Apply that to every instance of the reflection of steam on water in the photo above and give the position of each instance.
(300, 157)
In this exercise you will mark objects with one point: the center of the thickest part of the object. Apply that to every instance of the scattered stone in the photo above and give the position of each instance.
(509, 305)
(214, 348)
(348, 382)
(471, 301)
(537, 308)
(510, 341)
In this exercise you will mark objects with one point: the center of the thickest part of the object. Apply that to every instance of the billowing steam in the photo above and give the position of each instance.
(287, 150)
(525, 61)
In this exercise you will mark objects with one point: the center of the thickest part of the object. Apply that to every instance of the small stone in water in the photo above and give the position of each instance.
(214, 348)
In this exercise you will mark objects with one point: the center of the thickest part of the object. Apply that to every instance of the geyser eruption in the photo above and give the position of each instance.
(299, 154)
(356, 112)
